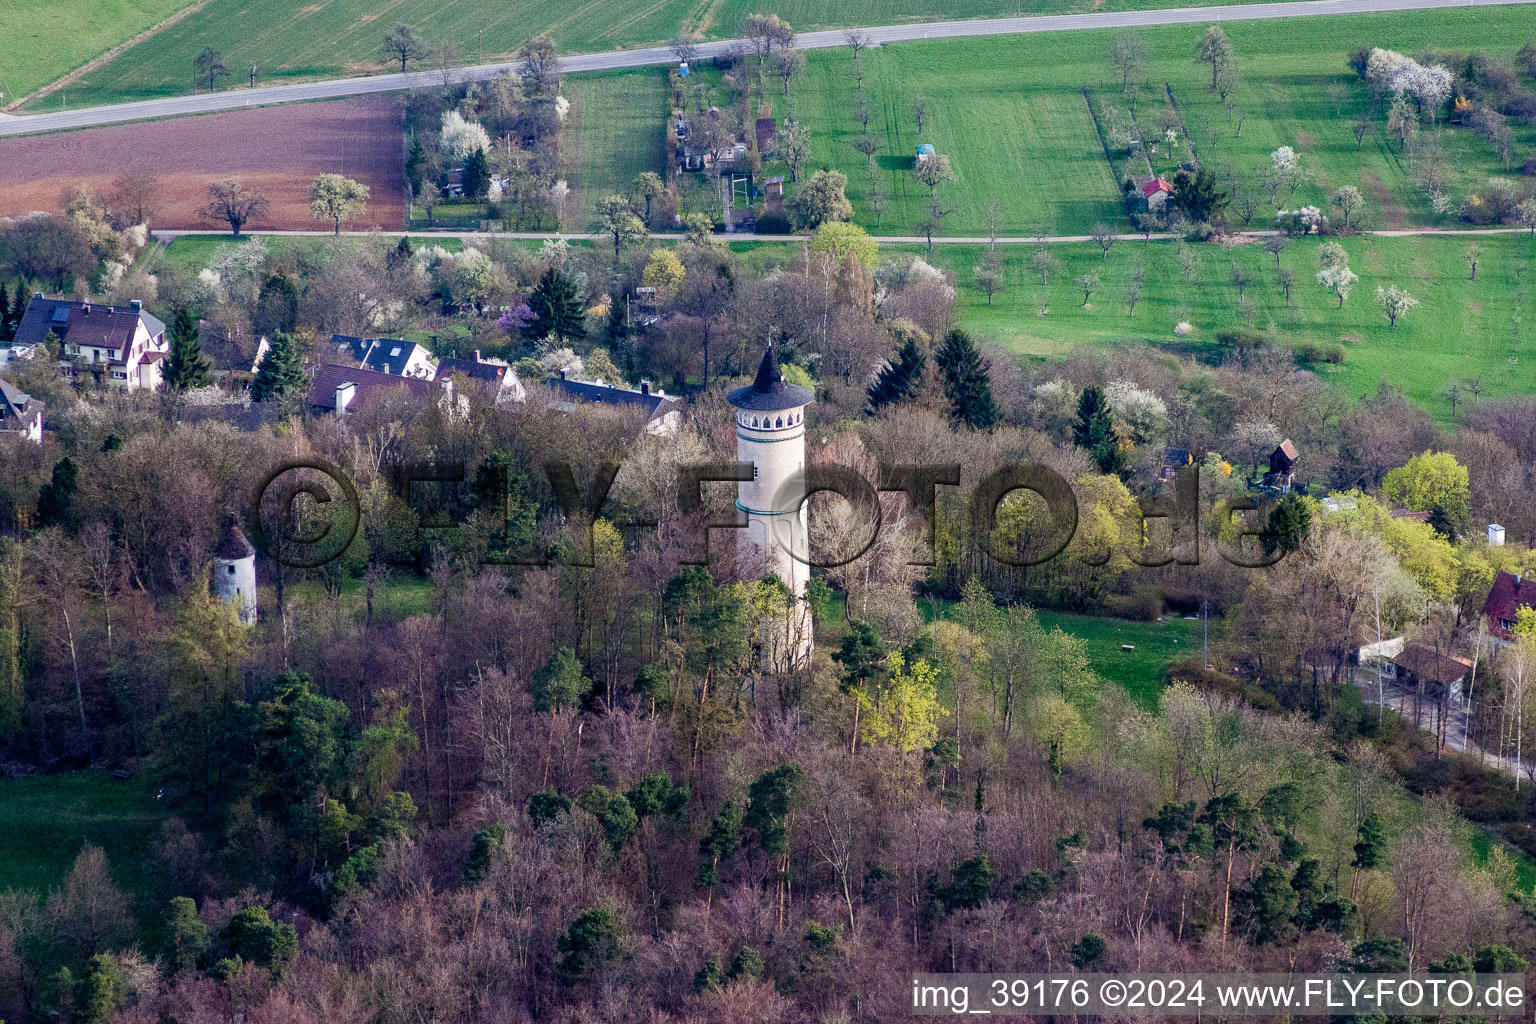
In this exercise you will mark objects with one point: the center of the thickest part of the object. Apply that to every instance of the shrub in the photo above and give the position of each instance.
(1241, 339)
(773, 224)
(1223, 685)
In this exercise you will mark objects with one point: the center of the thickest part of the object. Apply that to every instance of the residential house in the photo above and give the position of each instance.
(122, 345)
(663, 412)
(1510, 593)
(387, 355)
(1151, 192)
(20, 413)
(337, 387)
(1415, 666)
(231, 354)
(490, 373)
(1174, 459)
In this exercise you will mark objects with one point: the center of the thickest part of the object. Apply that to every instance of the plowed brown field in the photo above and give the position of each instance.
(278, 150)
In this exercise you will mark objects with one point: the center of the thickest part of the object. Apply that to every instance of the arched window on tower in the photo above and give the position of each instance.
(779, 422)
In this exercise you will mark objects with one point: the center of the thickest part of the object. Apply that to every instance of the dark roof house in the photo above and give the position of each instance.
(121, 344)
(1282, 461)
(20, 413)
(661, 409)
(336, 387)
(85, 323)
(386, 355)
(1510, 593)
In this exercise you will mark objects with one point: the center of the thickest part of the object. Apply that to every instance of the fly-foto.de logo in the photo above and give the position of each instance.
(308, 538)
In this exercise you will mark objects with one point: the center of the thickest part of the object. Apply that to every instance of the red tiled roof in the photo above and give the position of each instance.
(1509, 594)
(1155, 186)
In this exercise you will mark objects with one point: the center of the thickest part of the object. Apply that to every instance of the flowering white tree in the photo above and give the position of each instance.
(1142, 412)
(459, 137)
(1427, 85)
(1283, 159)
(1340, 280)
(1395, 302)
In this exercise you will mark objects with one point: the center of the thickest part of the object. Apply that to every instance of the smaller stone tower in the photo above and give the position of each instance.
(234, 573)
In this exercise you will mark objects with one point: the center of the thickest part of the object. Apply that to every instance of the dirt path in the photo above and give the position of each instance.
(92, 65)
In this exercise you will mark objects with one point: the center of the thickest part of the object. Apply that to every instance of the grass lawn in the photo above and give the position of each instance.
(1158, 644)
(1461, 330)
(616, 129)
(37, 53)
(44, 820)
(191, 253)
(1009, 112)
(404, 595)
(292, 42)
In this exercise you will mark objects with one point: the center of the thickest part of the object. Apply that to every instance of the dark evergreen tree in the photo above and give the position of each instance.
(55, 497)
(557, 308)
(476, 176)
(547, 805)
(18, 307)
(277, 306)
(281, 373)
(1288, 524)
(1095, 431)
(1195, 193)
(254, 937)
(1267, 907)
(1087, 951)
(5, 314)
(967, 383)
(1371, 849)
(897, 381)
(591, 942)
(481, 849)
(969, 884)
(185, 366)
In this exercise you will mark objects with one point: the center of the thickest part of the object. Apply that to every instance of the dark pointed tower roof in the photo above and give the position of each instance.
(233, 546)
(769, 390)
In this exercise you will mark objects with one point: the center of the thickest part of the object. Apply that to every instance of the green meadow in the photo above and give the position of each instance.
(36, 52)
(44, 820)
(1009, 112)
(290, 41)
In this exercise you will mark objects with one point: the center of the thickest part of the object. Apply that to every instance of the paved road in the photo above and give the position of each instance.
(333, 88)
(171, 233)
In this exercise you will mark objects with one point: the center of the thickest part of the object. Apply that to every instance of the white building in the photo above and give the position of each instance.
(387, 355)
(234, 573)
(20, 413)
(770, 434)
(120, 345)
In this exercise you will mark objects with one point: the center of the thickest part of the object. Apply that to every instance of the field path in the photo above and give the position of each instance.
(92, 65)
(333, 88)
(579, 236)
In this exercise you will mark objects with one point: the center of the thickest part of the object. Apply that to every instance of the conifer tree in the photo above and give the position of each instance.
(186, 366)
(5, 314)
(18, 307)
(967, 383)
(1095, 430)
(556, 308)
(281, 372)
(897, 381)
